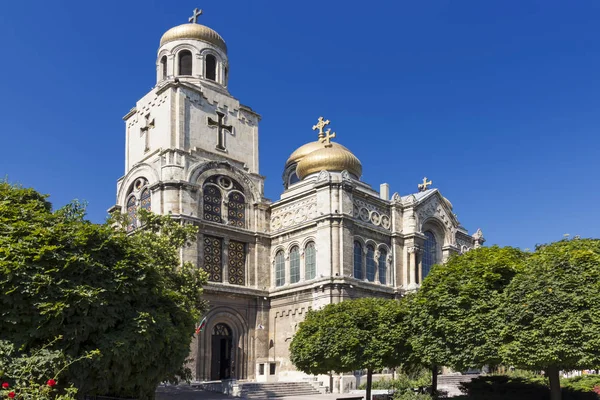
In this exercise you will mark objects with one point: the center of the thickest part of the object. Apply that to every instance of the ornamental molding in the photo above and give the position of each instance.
(371, 214)
(293, 214)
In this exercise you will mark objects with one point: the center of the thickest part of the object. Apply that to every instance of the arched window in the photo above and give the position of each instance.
(236, 210)
(138, 196)
(163, 67)
(293, 178)
(145, 202)
(185, 62)
(212, 203)
(429, 253)
(279, 269)
(131, 214)
(294, 265)
(211, 67)
(233, 210)
(358, 263)
(370, 263)
(310, 261)
(382, 266)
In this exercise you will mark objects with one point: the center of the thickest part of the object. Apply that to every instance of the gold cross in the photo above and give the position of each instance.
(194, 18)
(326, 138)
(319, 126)
(423, 186)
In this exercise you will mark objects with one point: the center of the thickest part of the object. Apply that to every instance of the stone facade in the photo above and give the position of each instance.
(192, 152)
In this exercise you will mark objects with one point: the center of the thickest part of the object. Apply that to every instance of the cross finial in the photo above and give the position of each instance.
(326, 138)
(319, 126)
(194, 18)
(423, 186)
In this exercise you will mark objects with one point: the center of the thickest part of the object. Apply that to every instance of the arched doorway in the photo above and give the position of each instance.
(222, 344)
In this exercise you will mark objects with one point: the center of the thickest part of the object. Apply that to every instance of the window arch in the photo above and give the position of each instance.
(138, 196)
(210, 67)
(382, 266)
(310, 261)
(370, 263)
(358, 262)
(279, 269)
(294, 265)
(163, 67)
(185, 62)
(429, 253)
(224, 201)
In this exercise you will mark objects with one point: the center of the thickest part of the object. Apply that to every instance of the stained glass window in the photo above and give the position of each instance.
(211, 67)
(237, 263)
(429, 253)
(212, 203)
(236, 214)
(358, 262)
(382, 266)
(185, 62)
(310, 261)
(213, 258)
(294, 265)
(145, 202)
(131, 214)
(370, 263)
(221, 330)
(279, 269)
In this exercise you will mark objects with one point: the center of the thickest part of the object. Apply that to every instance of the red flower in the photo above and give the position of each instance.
(5, 385)
(51, 382)
(11, 395)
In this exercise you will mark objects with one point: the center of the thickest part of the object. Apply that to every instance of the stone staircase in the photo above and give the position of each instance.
(450, 383)
(253, 390)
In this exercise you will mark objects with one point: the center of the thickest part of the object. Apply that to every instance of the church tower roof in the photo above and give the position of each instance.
(194, 31)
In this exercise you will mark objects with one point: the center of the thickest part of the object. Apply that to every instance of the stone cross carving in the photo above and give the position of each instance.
(194, 18)
(423, 186)
(146, 130)
(319, 126)
(221, 129)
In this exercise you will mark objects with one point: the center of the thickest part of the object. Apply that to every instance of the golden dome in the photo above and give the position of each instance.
(334, 158)
(195, 32)
(308, 148)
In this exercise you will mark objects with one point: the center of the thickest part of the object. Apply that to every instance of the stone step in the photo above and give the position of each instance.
(271, 390)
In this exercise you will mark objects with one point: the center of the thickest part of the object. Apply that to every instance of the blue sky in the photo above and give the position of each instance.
(498, 102)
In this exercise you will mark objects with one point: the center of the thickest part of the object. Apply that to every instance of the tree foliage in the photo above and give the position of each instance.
(454, 313)
(100, 288)
(366, 333)
(551, 311)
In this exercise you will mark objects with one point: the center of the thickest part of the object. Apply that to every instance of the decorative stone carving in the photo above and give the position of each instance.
(413, 249)
(371, 213)
(396, 198)
(411, 199)
(346, 176)
(479, 239)
(293, 214)
(324, 176)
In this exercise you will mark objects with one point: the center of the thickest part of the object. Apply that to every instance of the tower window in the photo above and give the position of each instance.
(211, 67)
(310, 262)
(163, 67)
(279, 269)
(294, 265)
(358, 263)
(382, 266)
(429, 253)
(370, 263)
(185, 62)
(237, 262)
(213, 258)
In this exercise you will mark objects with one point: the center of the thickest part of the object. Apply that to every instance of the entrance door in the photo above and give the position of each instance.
(221, 352)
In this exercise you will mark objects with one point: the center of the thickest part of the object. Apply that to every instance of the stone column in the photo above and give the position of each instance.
(412, 267)
(335, 248)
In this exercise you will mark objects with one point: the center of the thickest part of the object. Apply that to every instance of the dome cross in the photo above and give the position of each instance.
(423, 186)
(194, 18)
(320, 125)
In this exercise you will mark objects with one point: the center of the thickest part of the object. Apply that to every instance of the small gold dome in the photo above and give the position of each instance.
(308, 148)
(195, 32)
(334, 158)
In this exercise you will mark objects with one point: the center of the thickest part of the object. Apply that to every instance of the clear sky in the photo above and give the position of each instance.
(498, 102)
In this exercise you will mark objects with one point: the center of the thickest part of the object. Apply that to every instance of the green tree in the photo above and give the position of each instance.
(454, 313)
(552, 311)
(99, 288)
(357, 334)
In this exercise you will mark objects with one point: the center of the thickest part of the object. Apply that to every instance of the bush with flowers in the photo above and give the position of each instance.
(36, 376)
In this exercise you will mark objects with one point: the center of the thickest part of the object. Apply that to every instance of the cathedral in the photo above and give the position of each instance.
(192, 152)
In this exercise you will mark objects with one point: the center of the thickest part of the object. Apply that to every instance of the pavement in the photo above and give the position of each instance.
(173, 392)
